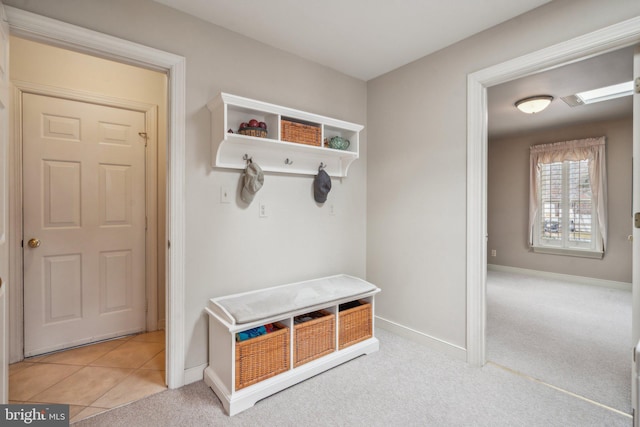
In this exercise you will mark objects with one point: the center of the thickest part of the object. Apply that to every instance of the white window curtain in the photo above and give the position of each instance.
(591, 149)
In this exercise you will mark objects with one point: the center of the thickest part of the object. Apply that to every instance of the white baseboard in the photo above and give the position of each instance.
(422, 338)
(559, 276)
(192, 375)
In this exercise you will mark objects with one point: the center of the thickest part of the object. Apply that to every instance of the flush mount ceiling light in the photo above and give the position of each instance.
(534, 104)
(600, 94)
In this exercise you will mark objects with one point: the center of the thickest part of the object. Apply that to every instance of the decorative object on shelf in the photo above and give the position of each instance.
(253, 128)
(321, 185)
(253, 179)
(337, 143)
(259, 132)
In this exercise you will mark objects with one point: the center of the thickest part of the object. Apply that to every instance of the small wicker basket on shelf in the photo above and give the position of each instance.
(259, 132)
(302, 133)
(262, 357)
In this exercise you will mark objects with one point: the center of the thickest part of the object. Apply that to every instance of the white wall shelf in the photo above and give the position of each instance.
(271, 153)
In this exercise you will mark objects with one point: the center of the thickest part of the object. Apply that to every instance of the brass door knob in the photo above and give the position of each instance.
(33, 243)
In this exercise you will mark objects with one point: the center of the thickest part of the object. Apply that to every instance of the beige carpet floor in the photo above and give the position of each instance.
(573, 336)
(403, 384)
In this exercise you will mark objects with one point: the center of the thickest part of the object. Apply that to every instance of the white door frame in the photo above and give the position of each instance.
(595, 43)
(16, 319)
(50, 31)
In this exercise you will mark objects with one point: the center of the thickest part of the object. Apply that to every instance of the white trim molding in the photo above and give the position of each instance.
(616, 36)
(591, 281)
(194, 374)
(51, 31)
(434, 343)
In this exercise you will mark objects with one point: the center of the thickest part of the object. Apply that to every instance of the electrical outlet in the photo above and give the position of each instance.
(494, 252)
(263, 213)
(225, 195)
(332, 209)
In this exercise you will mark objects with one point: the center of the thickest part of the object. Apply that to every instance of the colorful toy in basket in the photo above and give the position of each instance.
(254, 332)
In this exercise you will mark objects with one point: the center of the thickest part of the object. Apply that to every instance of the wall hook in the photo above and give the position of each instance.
(322, 166)
(247, 158)
(288, 162)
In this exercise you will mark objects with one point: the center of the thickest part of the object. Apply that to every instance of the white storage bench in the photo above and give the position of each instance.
(314, 325)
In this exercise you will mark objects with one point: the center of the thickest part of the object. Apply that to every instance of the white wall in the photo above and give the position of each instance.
(229, 248)
(416, 242)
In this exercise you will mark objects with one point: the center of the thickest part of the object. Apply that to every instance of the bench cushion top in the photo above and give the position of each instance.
(271, 302)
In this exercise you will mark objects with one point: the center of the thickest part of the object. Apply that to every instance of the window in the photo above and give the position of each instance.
(568, 200)
(566, 216)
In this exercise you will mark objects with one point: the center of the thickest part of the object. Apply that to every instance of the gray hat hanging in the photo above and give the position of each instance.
(252, 181)
(321, 186)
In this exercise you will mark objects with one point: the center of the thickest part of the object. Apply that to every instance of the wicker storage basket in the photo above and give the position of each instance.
(302, 133)
(259, 132)
(355, 324)
(314, 338)
(262, 357)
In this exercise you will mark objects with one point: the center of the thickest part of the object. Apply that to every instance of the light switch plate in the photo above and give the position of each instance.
(225, 195)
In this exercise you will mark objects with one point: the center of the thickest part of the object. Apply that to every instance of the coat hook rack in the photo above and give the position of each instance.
(247, 159)
(287, 161)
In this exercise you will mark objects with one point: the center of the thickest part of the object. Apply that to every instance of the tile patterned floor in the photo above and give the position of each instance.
(94, 378)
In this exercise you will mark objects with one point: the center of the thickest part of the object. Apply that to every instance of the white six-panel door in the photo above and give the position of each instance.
(84, 222)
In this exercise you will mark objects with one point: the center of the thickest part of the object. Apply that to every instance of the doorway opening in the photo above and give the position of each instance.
(35, 27)
(126, 292)
(541, 308)
(105, 182)
(601, 41)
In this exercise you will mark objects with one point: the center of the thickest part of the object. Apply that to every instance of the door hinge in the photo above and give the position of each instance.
(636, 85)
(636, 219)
(146, 223)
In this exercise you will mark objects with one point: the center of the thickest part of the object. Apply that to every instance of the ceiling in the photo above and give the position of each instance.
(361, 38)
(603, 70)
(367, 38)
